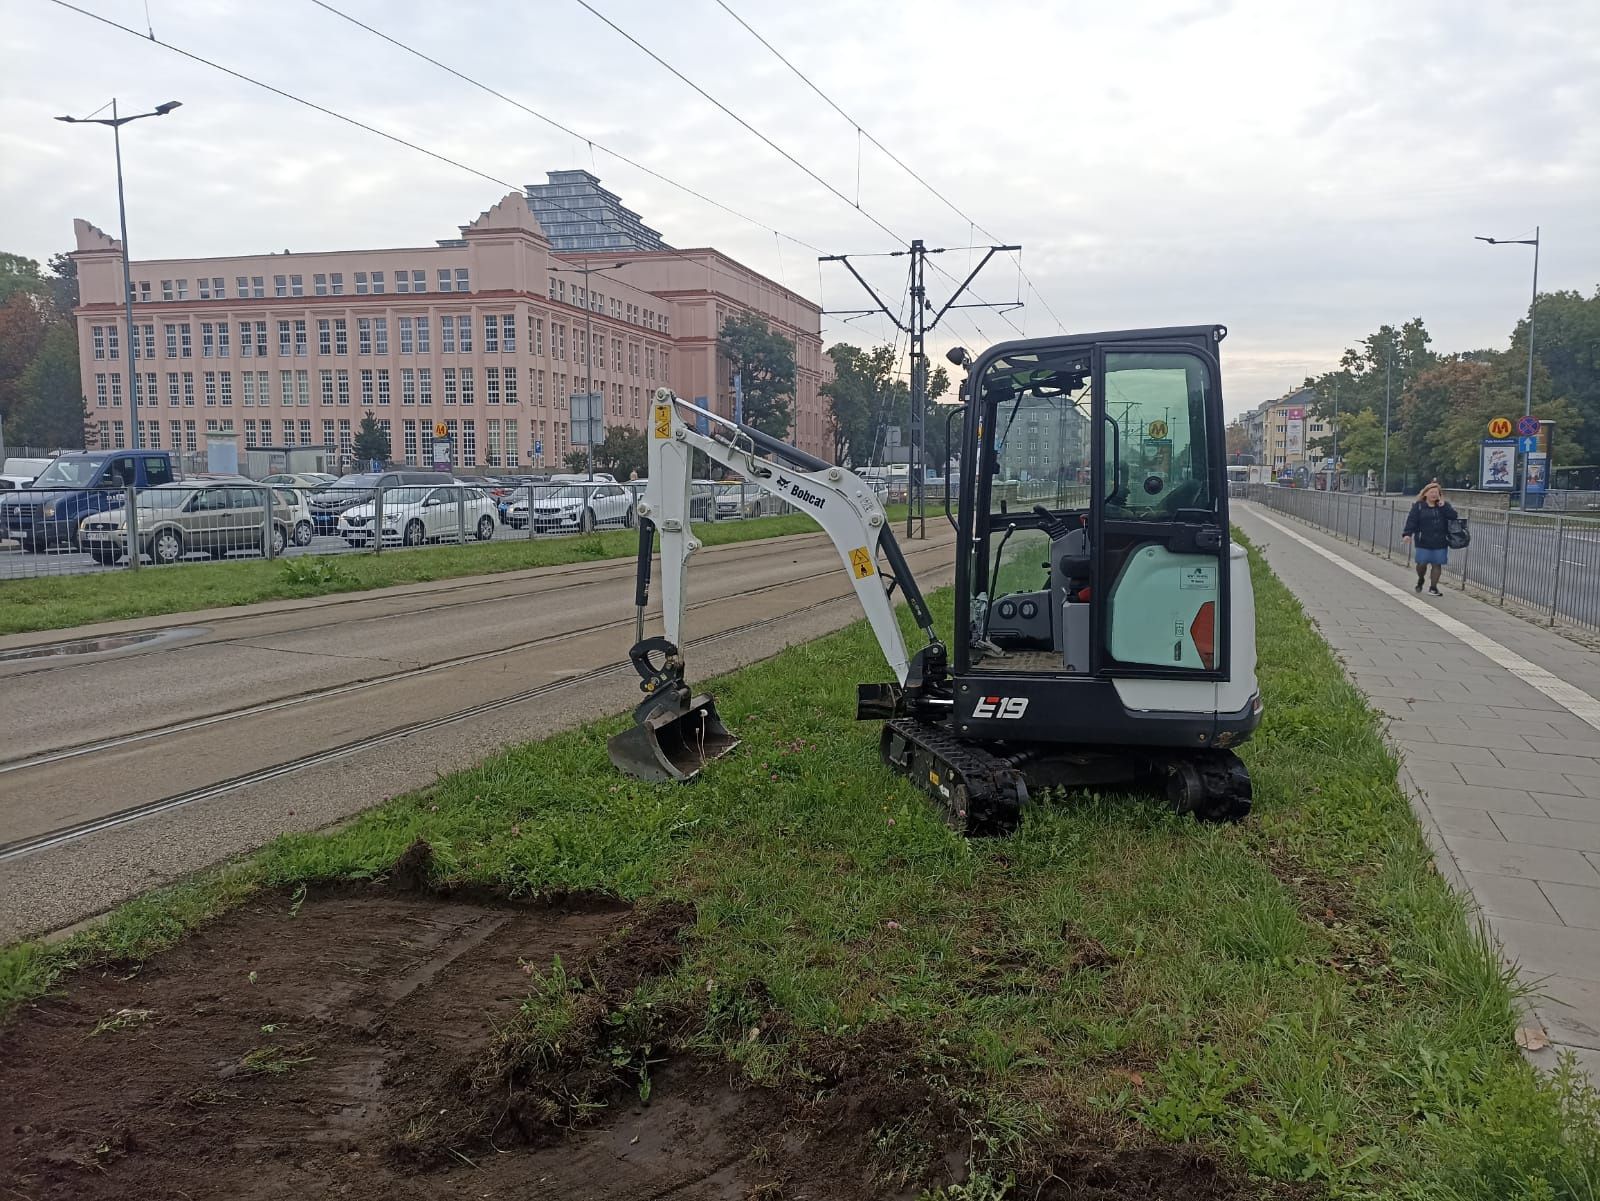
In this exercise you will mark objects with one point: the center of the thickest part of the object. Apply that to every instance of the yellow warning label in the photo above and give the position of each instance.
(663, 421)
(861, 562)
(933, 778)
(1158, 429)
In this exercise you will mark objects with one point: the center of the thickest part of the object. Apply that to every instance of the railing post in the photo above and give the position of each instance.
(461, 515)
(131, 526)
(266, 523)
(1505, 553)
(1466, 559)
(377, 520)
(1555, 587)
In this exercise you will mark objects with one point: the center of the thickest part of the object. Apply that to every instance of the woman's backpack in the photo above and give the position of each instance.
(1456, 533)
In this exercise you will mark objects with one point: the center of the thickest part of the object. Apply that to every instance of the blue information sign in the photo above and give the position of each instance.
(538, 447)
(1527, 445)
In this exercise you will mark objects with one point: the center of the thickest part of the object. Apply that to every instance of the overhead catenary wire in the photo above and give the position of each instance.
(861, 132)
(557, 125)
(345, 118)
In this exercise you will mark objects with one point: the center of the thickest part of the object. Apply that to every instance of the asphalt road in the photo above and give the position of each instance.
(124, 769)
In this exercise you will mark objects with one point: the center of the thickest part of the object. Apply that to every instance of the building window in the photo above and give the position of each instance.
(538, 387)
(402, 281)
(166, 289)
(172, 341)
(464, 334)
(341, 336)
(491, 385)
(346, 442)
(247, 340)
(377, 283)
(449, 385)
(616, 355)
(469, 443)
(536, 335)
(300, 347)
(188, 389)
(511, 443)
(364, 335)
(419, 281)
(99, 332)
(297, 285)
(285, 341)
(227, 389)
(650, 362)
(288, 431)
(327, 431)
(447, 334)
(324, 336)
(325, 378)
(248, 396)
(286, 388)
(222, 340)
(250, 432)
(305, 431)
(336, 283)
(444, 279)
(423, 346)
(211, 389)
(280, 285)
(511, 385)
(633, 358)
(408, 386)
(508, 333)
(343, 377)
(410, 428)
(150, 341)
(558, 342)
(361, 283)
(425, 385)
(319, 284)
(116, 390)
(491, 457)
(461, 280)
(466, 386)
(258, 287)
(380, 329)
(491, 334)
(100, 393)
(366, 387)
(406, 340)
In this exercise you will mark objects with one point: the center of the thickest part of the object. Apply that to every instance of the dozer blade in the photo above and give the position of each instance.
(671, 741)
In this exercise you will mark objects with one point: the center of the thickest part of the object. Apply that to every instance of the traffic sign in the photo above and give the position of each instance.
(1158, 430)
(440, 429)
(1528, 426)
(1527, 445)
(1500, 427)
(538, 448)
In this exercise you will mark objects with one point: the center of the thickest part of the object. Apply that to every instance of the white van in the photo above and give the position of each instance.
(19, 473)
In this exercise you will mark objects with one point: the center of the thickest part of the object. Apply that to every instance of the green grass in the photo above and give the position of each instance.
(1301, 992)
(60, 602)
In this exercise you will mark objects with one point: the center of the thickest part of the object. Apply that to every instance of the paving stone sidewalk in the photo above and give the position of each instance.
(1504, 778)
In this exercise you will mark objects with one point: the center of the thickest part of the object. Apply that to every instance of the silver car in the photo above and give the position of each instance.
(178, 519)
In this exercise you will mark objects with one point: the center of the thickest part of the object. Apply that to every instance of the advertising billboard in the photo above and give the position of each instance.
(1497, 463)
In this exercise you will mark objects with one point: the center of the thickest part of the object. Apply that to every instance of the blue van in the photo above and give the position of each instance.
(46, 513)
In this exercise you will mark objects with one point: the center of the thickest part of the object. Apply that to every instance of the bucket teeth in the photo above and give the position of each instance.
(671, 741)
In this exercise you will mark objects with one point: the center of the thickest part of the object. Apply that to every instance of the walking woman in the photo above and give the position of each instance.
(1429, 523)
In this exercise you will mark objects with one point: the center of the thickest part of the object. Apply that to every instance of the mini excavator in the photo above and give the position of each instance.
(1104, 620)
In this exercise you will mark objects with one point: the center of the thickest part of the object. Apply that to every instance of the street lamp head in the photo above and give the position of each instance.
(1481, 238)
(69, 120)
(163, 109)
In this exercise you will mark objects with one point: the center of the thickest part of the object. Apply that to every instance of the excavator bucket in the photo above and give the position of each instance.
(671, 741)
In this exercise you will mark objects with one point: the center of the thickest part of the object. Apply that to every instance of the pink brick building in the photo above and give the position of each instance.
(483, 333)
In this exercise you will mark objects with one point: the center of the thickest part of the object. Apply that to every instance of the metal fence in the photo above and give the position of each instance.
(203, 518)
(1547, 563)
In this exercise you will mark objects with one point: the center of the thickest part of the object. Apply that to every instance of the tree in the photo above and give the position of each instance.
(63, 284)
(1238, 439)
(622, 453)
(858, 398)
(372, 440)
(1567, 346)
(51, 412)
(19, 274)
(765, 362)
(24, 321)
(1398, 354)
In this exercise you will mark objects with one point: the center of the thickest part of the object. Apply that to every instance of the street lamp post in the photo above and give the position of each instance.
(1388, 360)
(116, 123)
(1527, 392)
(588, 338)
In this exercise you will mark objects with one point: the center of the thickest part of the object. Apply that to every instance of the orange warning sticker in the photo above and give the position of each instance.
(861, 562)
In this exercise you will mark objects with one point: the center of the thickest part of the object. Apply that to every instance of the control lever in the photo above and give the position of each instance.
(1052, 525)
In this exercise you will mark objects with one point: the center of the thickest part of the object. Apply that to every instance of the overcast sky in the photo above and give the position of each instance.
(1299, 172)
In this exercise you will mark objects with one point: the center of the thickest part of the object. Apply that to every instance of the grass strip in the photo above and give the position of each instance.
(1302, 993)
(62, 601)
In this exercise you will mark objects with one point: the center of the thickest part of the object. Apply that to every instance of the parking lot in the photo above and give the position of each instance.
(203, 518)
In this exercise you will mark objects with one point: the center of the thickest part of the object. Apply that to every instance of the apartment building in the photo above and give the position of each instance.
(1288, 427)
(487, 333)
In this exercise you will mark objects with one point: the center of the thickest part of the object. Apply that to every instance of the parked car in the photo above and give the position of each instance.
(351, 490)
(702, 500)
(413, 516)
(177, 519)
(573, 507)
(20, 473)
(311, 481)
(740, 500)
(76, 485)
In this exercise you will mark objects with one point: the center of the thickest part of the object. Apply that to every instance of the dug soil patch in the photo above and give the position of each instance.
(366, 1042)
